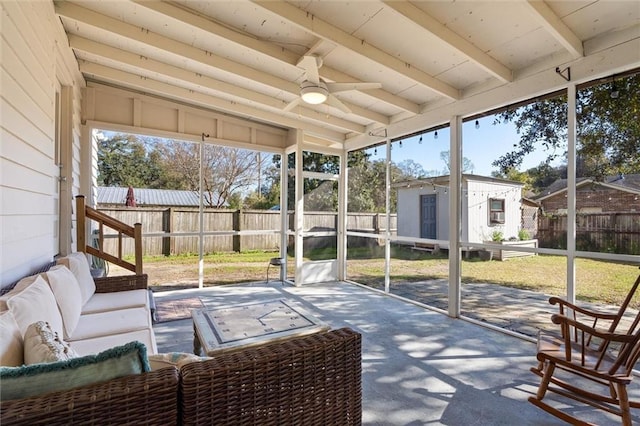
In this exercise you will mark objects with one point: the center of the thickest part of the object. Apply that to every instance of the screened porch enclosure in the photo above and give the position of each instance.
(340, 219)
(227, 77)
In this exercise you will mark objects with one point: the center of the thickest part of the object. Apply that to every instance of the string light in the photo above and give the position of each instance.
(477, 124)
(435, 135)
(420, 140)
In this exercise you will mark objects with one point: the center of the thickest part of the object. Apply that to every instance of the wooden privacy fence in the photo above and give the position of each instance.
(178, 220)
(598, 232)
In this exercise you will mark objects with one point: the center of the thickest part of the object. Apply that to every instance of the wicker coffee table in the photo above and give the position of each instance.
(236, 327)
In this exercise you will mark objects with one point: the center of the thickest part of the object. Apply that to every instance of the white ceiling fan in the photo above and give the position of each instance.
(314, 90)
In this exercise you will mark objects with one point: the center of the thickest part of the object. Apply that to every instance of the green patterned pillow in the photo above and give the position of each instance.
(37, 379)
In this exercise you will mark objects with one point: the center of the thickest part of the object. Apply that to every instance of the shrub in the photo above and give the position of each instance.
(523, 234)
(497, 236)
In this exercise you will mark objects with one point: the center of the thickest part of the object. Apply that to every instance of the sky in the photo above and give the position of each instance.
(481, 146)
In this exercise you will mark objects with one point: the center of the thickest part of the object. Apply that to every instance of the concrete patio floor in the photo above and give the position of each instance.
(419, 367)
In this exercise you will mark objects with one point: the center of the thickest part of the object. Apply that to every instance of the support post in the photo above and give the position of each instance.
(81, 224)
(455, 216)
(137, 236)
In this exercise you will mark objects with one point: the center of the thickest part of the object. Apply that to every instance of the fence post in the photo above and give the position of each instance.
(167, 226)
(237, 220)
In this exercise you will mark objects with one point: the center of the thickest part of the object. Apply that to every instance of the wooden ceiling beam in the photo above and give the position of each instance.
(271, 50)
(326, 31)
(132, 32)
(428, 23)
(554, 25)
(197, 81)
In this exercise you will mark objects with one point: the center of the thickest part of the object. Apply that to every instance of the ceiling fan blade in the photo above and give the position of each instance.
(336, 103)
(343, 87)
(310, 64)
(291, 105)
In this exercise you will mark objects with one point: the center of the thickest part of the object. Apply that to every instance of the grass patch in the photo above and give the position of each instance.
(597, 281)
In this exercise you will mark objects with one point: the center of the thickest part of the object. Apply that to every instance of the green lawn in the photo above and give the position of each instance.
(599, 281)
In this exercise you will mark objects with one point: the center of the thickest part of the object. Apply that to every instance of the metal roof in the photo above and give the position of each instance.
(148, 197)
(444, 180)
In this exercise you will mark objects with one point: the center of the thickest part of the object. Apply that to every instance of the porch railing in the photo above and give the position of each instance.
(84, 213)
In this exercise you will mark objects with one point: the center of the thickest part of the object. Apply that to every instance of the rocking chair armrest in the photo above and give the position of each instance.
(595, 314)
(603, 334)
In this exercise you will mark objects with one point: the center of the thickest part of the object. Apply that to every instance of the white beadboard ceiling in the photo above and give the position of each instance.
(429, 56)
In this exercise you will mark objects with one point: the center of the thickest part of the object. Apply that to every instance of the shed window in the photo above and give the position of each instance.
(496, 210)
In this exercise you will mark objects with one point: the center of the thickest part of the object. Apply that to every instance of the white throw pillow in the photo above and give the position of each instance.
(78, 264)
(35, 303)
(68, 296)
(20, 285)
(11, 352)
(41, 344)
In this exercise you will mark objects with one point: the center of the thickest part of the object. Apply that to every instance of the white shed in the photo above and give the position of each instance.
(488, 205)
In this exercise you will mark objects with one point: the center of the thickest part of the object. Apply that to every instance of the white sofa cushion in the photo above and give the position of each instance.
(101, 302)
(111, 322)
(11, 349)
(20, 285)
(78, 264)
(68, 296)
(97, 344)
(36, 303)
(41, 344)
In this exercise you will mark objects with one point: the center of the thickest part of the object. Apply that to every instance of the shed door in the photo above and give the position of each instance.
(428, 216)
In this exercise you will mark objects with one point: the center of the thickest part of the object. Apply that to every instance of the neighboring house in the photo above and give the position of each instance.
(529, 217)
(619, 194)
(111, 196)
(488, 205)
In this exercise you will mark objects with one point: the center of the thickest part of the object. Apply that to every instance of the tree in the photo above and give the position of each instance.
(123, 161)
(364, 181)
(267, 194)
(467, 165)
(225, 170)
(608, 129)
(411, 168)
(312, 162)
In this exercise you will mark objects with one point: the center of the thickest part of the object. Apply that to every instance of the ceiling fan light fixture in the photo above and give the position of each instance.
(314, 94)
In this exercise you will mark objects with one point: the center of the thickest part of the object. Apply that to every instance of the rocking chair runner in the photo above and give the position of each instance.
(604, 355)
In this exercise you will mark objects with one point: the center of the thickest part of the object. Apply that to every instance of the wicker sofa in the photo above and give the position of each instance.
(313, 380)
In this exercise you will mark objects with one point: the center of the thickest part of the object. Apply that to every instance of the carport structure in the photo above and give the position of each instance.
(232, 73)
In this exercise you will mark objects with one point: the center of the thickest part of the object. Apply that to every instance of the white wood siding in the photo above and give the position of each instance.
(475, 214)
(477, 199)
(34, 57)
(410, 214)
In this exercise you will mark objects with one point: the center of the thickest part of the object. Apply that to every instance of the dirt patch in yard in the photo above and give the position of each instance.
(164, 276)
